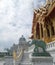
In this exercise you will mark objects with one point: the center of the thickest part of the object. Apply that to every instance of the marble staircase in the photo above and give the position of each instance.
(25, 59)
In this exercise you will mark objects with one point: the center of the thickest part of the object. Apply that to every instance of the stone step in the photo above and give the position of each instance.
(25, 59)
(25, 63)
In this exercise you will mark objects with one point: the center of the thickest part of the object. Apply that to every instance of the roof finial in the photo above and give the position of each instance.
(22, 35)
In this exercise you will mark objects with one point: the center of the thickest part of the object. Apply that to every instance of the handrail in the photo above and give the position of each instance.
(17, 57)
(20, 54)
(50, 45)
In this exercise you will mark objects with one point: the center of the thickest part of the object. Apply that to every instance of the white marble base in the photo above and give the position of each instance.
(42, 60)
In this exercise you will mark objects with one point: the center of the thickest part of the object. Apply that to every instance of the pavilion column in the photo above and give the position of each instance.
(53, 21)
(35, 32)
(40, 30)
(44, 31)
(50, 31)
(54, 27)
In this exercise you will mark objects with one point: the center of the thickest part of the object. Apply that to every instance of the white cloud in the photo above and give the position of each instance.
(15, 20)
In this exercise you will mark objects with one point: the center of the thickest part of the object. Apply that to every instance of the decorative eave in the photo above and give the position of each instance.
(51, 7)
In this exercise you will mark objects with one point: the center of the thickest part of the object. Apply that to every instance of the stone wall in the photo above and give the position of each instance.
(42, 60)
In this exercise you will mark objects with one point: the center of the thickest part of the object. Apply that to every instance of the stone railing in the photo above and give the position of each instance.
(19, 57)
(10, 60)
(50, 45)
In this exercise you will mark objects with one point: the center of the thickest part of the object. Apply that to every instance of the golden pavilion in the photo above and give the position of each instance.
(44, 22)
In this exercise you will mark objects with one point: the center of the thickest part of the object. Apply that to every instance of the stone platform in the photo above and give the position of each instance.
(42, 60)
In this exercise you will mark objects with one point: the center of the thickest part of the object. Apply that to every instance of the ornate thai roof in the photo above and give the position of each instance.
(41, 14)
(46, 10)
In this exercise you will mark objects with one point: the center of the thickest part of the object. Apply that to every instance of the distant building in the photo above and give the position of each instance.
(21, 46)
(23, 43)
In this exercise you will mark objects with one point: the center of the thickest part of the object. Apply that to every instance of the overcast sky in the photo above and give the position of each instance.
(16, 19)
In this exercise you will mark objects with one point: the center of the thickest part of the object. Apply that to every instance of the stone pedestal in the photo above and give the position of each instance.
(42, 60)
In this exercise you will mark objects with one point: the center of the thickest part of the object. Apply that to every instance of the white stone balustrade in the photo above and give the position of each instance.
(50, 46)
